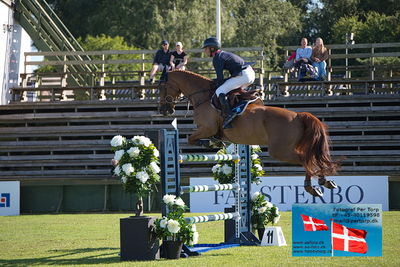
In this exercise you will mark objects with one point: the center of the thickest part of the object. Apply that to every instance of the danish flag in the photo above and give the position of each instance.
(312, 224)
(348, 239)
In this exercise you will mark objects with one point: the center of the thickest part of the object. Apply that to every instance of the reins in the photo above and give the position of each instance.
(171, 100)
(201, 102)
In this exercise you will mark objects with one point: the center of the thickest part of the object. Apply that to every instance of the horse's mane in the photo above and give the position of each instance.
(193, 74)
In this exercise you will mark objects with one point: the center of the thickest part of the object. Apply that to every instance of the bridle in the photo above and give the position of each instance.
(169, 99)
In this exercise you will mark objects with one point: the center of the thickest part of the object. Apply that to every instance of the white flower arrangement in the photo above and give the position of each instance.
(223, 171)
(174, 227)
(263, 211)
(136, 163)
(117, 141)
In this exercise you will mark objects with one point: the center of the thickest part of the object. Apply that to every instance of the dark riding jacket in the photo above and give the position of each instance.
(227, 61)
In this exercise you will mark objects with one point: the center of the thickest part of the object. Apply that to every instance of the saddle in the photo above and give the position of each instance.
(239, 99)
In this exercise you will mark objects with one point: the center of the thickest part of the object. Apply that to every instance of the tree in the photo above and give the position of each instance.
(263, 22)
(371, 28)
(105, 43)
(320, 16)
(145, 23)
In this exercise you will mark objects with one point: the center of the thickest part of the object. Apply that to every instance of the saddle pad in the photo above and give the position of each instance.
(238, 109)
(241, 107)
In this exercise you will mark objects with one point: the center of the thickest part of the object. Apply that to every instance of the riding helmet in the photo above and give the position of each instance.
(211, 42)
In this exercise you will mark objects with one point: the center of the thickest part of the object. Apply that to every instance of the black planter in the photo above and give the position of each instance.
(260, 232)
(229, 227)
(137, 242)
(172, 249)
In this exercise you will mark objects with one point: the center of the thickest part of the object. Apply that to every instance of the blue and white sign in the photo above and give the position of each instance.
(288, 190)
(9, 198)
(337, 230)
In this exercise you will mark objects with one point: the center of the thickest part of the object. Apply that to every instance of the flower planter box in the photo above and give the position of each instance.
(172, 249)
(137, 242)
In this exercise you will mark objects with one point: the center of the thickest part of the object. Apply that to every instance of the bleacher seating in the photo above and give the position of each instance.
(70, 140)
(60, 135)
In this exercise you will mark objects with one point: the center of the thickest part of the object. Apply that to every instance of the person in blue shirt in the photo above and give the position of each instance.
(161, 60)
(241, 75)
(303, 53)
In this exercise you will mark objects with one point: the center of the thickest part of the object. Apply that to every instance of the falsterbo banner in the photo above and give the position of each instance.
(9, 198)
(288, 190)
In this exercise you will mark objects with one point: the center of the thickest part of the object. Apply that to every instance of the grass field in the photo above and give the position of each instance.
(93, 239)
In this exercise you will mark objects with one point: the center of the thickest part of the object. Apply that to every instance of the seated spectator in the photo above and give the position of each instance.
(178, 58)
(161, 60)
(318, 57)
(303, 53)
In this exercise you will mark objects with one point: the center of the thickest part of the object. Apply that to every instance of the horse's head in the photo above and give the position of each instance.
(195, 87)
(168, 98)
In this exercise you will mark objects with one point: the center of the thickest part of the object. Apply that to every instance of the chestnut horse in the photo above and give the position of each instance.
(294, 137)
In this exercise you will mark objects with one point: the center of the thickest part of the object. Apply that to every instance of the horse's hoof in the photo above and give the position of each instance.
(327, 183)
(314, 190)
(204, 143)
(216, 144)
(330, 184)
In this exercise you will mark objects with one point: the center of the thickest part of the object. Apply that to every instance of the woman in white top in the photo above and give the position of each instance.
(303, 53)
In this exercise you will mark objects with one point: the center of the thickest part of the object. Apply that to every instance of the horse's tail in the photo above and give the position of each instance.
(314, 147)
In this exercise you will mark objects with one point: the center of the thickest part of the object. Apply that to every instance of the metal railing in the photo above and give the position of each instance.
(50, 34)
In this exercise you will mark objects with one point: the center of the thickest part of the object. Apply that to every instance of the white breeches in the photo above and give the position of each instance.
(244, 79)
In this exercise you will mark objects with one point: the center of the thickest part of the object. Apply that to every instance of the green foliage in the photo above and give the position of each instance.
(380, 28)
(145, 23)
(45, 69)
(263, 22)
(174, 226)
(268, 23)
(346, 25)
(107, 43)
(371, 28)
(224, 170)
(262, 211)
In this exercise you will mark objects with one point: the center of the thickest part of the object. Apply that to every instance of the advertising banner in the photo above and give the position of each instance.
(289, 190)
(9, 198)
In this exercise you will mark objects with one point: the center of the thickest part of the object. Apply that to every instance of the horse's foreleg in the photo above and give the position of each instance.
(327, 183)
(313, 190)
(200, 133)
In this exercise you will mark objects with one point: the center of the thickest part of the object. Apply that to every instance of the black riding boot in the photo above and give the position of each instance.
(227, 112)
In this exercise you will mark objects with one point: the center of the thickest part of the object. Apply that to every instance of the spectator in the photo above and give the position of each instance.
(303, 53)
(161, 60)
(318, 57)
(178, 58)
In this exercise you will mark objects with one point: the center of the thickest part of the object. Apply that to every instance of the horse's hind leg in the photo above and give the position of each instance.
(326, 183)
(313, 190)
(291, 156)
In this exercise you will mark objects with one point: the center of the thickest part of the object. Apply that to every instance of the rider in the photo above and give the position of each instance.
(242, 75)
